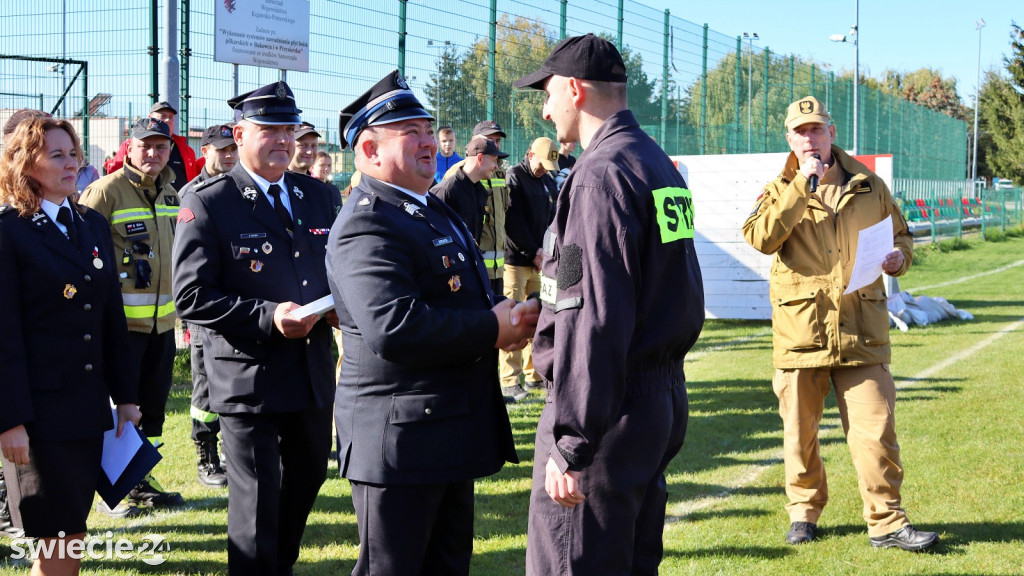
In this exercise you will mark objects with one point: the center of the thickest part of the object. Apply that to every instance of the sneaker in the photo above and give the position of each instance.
(208, 469)
(122, 510)
(514, 394)
(149, 492)
(800, 532)
(907, 538)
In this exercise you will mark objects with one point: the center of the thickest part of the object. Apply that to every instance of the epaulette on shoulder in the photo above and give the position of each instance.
(209, 182)
(365, 203)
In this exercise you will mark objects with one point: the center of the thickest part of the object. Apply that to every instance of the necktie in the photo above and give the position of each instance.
(64, 217)
(282, 213)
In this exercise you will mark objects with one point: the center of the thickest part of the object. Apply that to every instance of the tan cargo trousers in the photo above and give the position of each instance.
(866, 397)
(520, 281)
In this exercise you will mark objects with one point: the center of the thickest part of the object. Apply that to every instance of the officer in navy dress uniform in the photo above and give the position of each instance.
(250, 249)
(63, 341)
(418, 408)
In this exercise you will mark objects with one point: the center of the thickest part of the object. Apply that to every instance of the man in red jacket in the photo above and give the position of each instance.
(183, 158)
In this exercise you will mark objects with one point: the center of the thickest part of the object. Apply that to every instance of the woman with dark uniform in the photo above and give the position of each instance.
(63, 339)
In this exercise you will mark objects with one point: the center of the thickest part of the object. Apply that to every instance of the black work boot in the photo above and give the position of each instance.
(149, 492)
(800, 532)
(208, 469)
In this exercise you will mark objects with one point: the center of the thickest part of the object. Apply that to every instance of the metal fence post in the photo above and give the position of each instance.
(792, 65)
(664, 80)
(764, 92)
(561, 20)
(703, 98)
(401, 35)
(619, 37)
(86, 113)
(183, 115)
(490, 58)
(736, 94)
(154, 50)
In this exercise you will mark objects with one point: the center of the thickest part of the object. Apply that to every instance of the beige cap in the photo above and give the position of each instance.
(805, 110)
(546, 151)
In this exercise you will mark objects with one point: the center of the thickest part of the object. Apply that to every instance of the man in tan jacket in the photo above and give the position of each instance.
(822, 336)
(141, 205)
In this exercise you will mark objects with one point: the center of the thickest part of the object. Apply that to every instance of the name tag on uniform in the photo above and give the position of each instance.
(442, 241)
(252, 235)
(548, 290)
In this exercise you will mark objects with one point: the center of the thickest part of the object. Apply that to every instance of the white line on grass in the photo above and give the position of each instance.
(920, 289)
(729, 344)
(753, 473)
(937, 368)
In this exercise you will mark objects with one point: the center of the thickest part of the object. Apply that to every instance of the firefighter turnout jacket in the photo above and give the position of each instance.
(142, 212)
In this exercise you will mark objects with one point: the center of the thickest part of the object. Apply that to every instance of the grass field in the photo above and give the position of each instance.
(959, 420)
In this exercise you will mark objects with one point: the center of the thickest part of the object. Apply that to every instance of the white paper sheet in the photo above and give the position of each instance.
(318, 306)
(118, 452)
(873, 244)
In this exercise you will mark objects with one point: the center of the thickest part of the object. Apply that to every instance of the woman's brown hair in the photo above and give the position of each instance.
(21, 149)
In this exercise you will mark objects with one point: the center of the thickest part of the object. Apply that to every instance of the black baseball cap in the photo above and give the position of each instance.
(164, 105)
(147, 127)
(306, 128)
(487, 128)
(219, 136)
(481, 145)
(585, 57)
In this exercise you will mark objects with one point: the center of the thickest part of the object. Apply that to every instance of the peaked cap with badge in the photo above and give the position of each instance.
(271, 105)
(805, 111)
(387, 101)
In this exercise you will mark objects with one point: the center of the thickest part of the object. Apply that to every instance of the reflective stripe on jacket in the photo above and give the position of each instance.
(142, 213)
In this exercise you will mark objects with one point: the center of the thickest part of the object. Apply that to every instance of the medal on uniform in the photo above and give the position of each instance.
(70, 291)
(244, 250)
(96, 260)
(447, 263)
(255, 266)
(267, 247)
(455, 283)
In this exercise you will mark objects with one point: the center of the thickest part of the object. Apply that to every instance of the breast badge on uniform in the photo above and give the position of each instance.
(455, 283)
(267, 247)
(256, 266)
(70, 291)
(446, 262)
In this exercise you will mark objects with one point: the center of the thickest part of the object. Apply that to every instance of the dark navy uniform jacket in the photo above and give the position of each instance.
(63, 337)
(418, 400)
(621, 288)
(234, 262)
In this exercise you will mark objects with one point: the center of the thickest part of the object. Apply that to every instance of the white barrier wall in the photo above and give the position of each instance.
(724, 189)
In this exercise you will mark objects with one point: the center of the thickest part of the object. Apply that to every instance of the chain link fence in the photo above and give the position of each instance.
(694, 90)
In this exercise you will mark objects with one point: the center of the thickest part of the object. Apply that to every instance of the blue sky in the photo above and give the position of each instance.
(903, 35)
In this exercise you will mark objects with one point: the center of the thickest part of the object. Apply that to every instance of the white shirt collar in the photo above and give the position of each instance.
(419, 198)
(262, 182)
(51, 210)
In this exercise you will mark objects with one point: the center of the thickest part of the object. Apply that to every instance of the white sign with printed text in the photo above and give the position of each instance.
(267, 33)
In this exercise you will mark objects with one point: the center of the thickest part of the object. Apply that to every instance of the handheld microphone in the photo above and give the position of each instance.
(814, 177)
